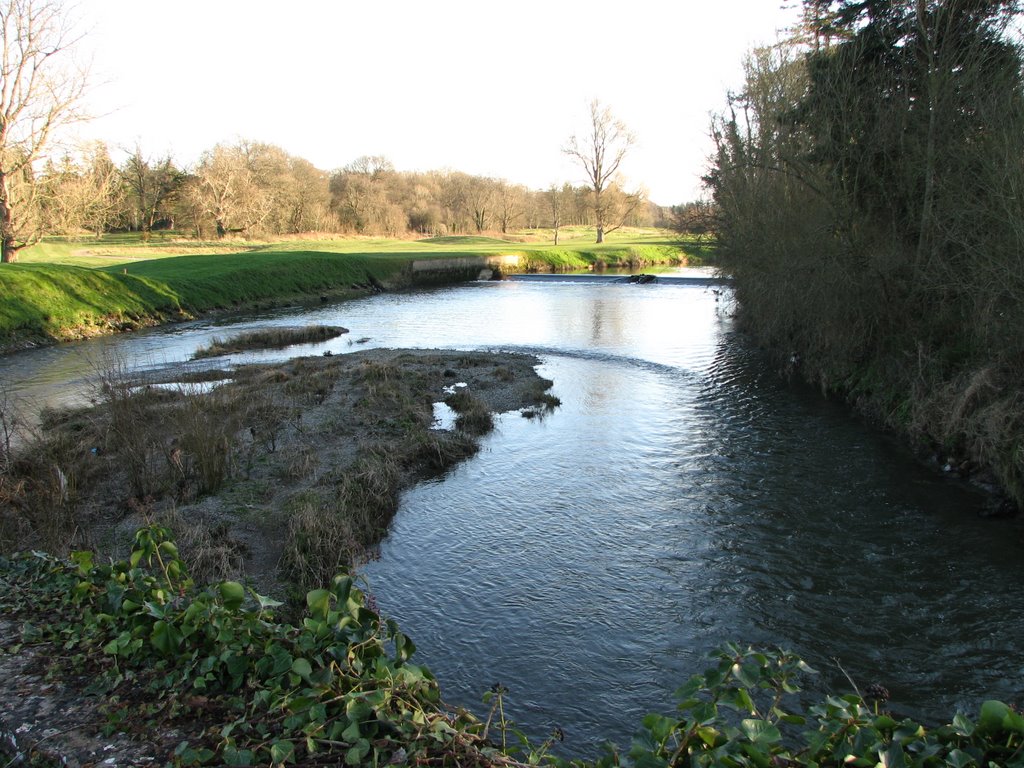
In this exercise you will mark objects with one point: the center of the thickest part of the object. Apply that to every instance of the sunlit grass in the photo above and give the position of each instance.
(64, 287)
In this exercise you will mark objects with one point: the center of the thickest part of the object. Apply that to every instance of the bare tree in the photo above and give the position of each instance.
(558, 200)
(38, 96)
(511, 204)
(81, 192)
(601, 151)
(480, 199)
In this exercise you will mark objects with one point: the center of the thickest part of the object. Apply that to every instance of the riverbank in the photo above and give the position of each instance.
(963, 421)
(48, 298)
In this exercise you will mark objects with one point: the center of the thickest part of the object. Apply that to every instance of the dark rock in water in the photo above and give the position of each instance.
(642, 279)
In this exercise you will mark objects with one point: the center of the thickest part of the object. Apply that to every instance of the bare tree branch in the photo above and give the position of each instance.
(39, 95)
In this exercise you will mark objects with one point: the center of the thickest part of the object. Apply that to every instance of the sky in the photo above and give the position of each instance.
(481, 86)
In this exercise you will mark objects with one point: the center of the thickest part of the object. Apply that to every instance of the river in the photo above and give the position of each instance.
(681, 496)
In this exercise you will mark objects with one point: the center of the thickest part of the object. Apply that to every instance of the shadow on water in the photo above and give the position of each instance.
(844, 548)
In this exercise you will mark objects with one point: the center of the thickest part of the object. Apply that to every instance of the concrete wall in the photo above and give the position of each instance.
(463, 269)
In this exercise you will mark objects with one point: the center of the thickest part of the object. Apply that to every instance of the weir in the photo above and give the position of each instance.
(424, 272)
(590, 277)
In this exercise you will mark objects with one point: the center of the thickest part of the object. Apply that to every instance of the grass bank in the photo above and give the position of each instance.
(65, 289)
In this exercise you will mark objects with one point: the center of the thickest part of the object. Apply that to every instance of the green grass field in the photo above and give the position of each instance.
(63, 288)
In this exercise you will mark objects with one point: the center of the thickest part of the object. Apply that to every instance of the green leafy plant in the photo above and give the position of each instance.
(340, 682)
(339, 686)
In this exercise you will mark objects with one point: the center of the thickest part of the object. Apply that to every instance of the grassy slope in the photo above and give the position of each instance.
(62, 289)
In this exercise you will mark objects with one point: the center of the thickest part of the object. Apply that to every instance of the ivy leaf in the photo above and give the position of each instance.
(962, 725)
(282, 751)
(404, 647)
(355, 755)
(302, 668)
(83, 560)
(266, 602)
(319, 602)
(760, 732)
(235, 756)
(232, 594)
(959, 759)
(165, 638)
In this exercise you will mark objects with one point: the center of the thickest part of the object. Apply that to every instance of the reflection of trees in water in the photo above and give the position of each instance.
(608, 324)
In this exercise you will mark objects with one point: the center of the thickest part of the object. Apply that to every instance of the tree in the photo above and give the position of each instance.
(511, 204)
(305, 198)
(480, 199)
(601, 151)
(38, 97)
(556, 200)
(81, 192)
(360, 196)
(229, 185)
(696, 218)
(150, 186)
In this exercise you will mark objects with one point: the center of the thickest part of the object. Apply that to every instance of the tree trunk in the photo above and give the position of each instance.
(9, 251)
(8, 248)
(600, 233)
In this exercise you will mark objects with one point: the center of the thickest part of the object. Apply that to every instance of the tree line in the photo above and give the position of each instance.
(868, 184)
(251, 187)
(259, 189)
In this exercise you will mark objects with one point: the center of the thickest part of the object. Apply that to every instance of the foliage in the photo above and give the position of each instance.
(876, 157)
(340, 682)
(253, 189)
(340, 685)
(741, 713)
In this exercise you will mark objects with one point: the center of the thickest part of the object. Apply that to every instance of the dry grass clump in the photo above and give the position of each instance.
(312, 387)
(503, 373)
(436, 451)
(299, 463)
(269, 338)
(207, 549)
(474, 417)
(974, 424)
(319, 543)
(332, 529)
(39, 485)
(205, 446)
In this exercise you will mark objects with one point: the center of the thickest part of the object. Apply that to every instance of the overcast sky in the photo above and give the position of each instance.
(483, 87)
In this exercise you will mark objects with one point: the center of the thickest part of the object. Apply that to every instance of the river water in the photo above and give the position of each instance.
(682, 495)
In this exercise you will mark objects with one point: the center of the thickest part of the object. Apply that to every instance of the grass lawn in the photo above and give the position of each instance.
(65, 288)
